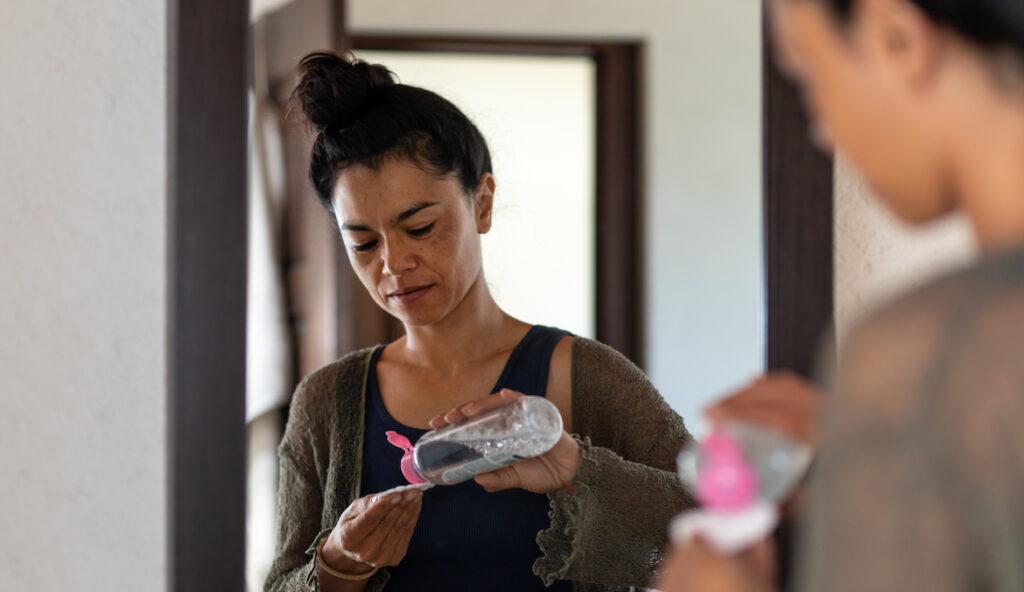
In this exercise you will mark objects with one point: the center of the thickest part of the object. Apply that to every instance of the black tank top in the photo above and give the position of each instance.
(466, 538)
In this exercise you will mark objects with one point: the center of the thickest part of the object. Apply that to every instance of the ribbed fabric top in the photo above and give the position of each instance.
(466, 538)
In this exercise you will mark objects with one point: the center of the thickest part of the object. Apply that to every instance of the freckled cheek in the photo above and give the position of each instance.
(440, 247)
(366, 271)
(371, 281)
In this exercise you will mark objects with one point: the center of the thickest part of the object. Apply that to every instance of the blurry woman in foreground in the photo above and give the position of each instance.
(918, 479)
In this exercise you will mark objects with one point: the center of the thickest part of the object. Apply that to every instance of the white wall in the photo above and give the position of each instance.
(82, 330)
(704, 292)
(877, 257)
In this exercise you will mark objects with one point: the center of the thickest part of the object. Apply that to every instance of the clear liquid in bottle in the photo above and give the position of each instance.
(523, 428)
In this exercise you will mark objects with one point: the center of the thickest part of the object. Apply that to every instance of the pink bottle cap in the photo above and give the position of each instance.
(408, 471)
(727, 482)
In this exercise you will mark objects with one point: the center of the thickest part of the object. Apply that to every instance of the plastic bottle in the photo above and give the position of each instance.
(778, 461)
(739, 473)
(523, 428)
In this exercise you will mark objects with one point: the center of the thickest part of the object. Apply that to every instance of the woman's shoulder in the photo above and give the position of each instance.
(581, 364)
(592, 357)
(966, 319)
(341, 377)
(991, 286)
(319, 401)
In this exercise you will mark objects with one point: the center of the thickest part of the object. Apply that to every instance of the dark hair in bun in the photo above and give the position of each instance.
(362, 116)
(989, 23)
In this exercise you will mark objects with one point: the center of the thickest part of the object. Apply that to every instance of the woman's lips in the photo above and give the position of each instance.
(409, 295)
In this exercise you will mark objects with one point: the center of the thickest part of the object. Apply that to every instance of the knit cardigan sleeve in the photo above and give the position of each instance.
(612, 530)
(319, 470)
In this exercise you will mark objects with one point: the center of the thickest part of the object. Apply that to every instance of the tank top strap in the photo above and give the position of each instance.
(527, 368)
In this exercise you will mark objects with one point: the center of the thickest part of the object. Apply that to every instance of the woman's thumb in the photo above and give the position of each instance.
(503, 478)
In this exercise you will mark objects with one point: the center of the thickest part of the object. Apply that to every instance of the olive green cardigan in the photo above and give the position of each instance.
(608, 535)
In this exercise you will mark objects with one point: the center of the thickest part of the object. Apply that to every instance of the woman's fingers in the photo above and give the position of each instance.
(696, 567)
(761, 557)
(372, 514)
(552, 471)
(388, 544)
(484, 404)
(780, 400)
(472, 408)
(398, 541)
(374, 531)
(363, 516)
(500, 480)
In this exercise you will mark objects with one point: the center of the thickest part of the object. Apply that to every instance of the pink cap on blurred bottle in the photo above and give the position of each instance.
(727, 482)
(408, 471)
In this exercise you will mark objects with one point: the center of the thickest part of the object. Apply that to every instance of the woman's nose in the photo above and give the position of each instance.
(397, 259)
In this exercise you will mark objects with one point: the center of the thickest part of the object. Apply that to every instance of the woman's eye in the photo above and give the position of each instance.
(364, 247)
(422, 230)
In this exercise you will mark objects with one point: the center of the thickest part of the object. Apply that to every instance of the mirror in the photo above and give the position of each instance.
(702, 307)
(699, 281)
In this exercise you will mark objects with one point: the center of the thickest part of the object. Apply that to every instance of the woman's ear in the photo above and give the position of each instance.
(906, 40)
(483, 203)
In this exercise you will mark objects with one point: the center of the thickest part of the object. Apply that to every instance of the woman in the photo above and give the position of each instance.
(408, 179)
(917, 485)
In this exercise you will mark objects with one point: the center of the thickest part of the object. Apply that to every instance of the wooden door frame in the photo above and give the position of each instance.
(207, 209)
(798, 228)
(798, 245)
(619, 184)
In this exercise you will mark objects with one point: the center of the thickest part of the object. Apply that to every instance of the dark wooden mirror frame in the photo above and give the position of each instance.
(207, 44)
(207, 183)
(798, 244)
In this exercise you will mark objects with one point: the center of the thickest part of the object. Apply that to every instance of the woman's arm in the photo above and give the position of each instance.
(299, 498)
(888, 501)
(613, 528)
(320, 445)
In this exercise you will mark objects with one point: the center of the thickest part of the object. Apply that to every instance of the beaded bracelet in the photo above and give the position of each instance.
(340, 575)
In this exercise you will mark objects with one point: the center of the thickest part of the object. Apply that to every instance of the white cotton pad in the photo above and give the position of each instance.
(726, 532)
(401, 488)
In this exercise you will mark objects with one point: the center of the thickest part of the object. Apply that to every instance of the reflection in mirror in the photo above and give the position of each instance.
(702, 308)
(703, 297)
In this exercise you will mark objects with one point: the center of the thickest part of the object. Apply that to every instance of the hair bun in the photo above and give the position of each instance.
(333, 90)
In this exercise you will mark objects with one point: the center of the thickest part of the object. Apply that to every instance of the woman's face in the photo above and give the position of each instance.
(412, 237)
(867, 94)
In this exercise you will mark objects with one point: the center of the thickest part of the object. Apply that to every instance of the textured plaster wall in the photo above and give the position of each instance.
(877, 257)
(702, 89)
(82, 295)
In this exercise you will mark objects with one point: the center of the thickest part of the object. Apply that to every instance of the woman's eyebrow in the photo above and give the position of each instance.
(409, 213)
(414, 210)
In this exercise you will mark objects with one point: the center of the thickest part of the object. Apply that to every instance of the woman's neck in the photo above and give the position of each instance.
(988, 164)
(476, 329)
(991, 189)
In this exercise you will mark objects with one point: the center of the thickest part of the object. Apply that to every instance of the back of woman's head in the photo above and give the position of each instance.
(992, 24)
(362, 116)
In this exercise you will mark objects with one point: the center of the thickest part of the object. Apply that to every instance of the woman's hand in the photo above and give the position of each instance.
(373, 531)
(696, 567)
(780, 400)
(551, 471)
